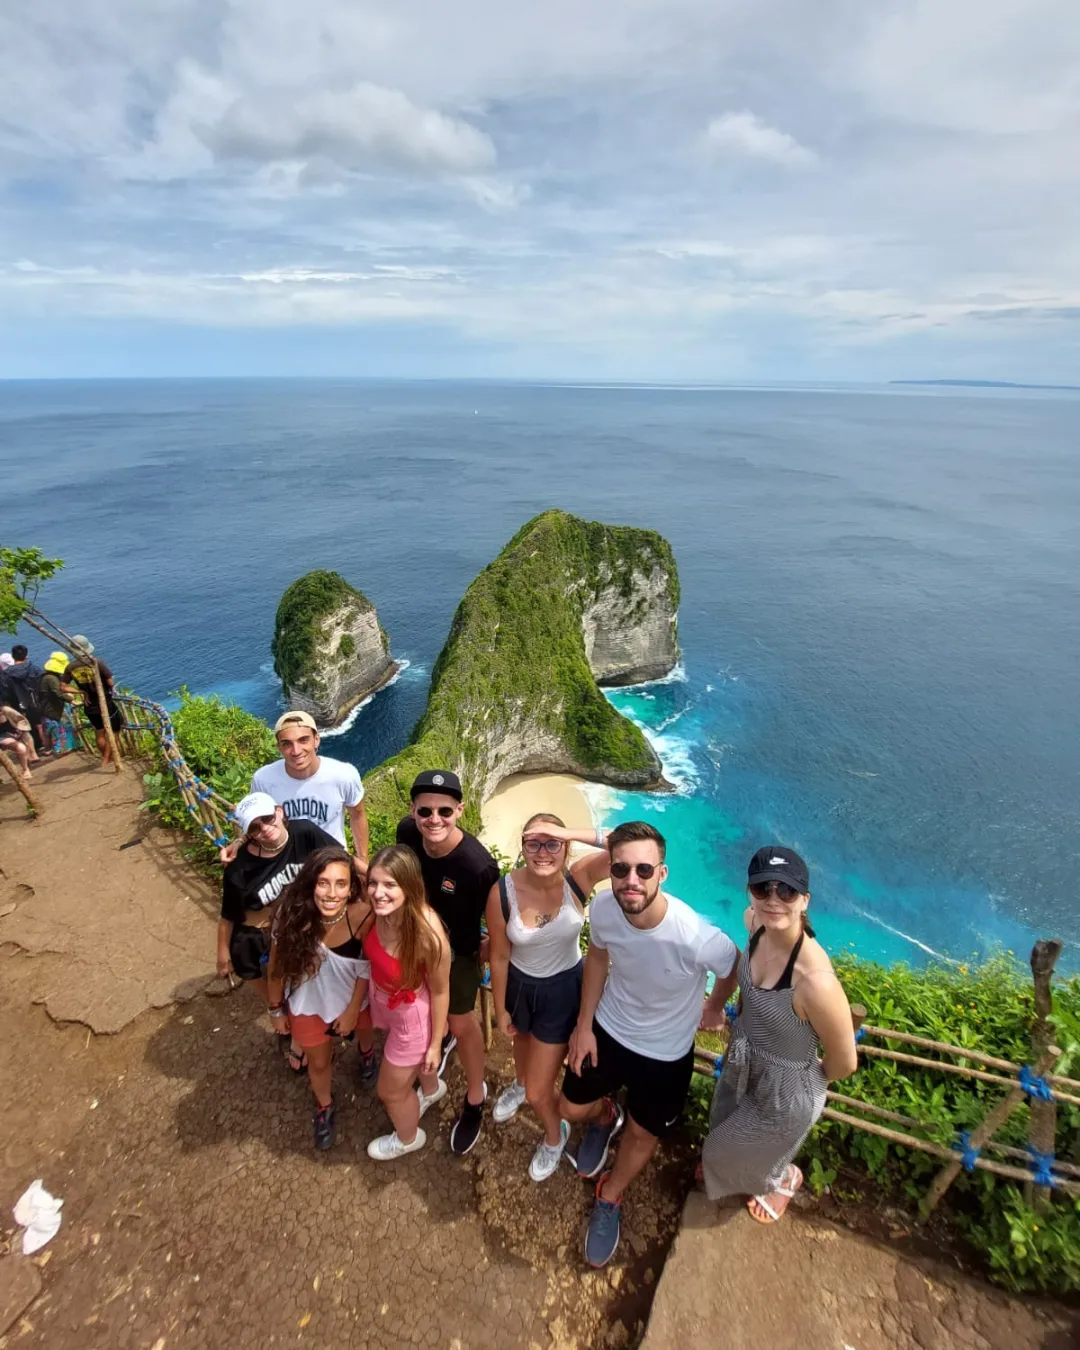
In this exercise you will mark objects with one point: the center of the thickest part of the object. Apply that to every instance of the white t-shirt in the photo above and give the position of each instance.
(656, 981)
(322, 798)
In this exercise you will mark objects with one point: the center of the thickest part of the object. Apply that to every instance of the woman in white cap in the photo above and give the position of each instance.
(772, 1089)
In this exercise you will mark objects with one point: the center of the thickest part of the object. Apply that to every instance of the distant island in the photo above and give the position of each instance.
(988, 384)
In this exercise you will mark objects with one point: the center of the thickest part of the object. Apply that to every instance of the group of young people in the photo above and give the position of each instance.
(340, 945)
(33, 700)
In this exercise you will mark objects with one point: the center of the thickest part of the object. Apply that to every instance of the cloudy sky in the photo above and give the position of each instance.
(614, 189)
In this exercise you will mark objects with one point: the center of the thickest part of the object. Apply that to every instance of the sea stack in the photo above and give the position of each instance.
(330, 650)
(568, 604)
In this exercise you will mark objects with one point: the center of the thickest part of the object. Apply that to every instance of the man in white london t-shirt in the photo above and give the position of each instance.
(310, 786)
(641, 1003)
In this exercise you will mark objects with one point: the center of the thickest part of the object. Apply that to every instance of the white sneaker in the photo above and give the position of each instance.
(508, 1102)
(545, 1160)
(388, 1146)
(426, 1101)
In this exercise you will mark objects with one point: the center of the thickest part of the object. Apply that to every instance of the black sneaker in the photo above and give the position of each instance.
(465, 1131)
(323, 1121)
(367, 1067)
(448, 1043)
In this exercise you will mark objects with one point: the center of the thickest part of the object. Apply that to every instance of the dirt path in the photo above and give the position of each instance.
(197, 1215)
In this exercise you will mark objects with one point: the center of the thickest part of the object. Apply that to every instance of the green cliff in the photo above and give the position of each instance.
(330, 651)
(566, 604)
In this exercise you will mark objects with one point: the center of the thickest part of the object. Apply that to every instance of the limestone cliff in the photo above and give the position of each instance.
(330, 651)
(566, 604)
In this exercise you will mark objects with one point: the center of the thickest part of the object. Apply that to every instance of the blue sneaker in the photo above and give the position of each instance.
(602, 1235)
(596, 1142)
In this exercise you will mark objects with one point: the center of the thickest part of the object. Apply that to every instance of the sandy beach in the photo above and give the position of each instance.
(522, 795)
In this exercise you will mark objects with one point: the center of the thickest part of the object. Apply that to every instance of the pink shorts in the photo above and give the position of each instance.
(407, 1025)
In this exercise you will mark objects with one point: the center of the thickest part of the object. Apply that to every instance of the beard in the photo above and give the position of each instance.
(637, 904)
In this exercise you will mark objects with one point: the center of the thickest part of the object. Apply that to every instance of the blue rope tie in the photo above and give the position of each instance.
(485, 979)
(968, 1153)
(732, 1013)
(860, 1035)
(718, 1067)
(221, 841)
(1033, 1085)
(1041, 1167)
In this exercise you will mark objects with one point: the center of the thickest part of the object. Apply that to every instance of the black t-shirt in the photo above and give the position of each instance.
(457, 884)
(253, 883)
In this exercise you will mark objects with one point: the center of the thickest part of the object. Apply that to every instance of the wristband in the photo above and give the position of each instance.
(599, 837)
(277, 1012)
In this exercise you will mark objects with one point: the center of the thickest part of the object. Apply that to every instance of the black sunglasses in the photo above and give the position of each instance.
(620, 871)
(445, 811)
(761, 890)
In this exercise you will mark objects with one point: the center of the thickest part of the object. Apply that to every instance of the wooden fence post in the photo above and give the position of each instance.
(1042, 1115)
(106, 721)
(7, 763)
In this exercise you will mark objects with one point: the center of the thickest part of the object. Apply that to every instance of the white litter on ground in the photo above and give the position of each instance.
(39, 1213)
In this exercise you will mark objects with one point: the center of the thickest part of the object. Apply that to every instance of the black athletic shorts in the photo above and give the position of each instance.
(547, 1007)
(464, 983)
(249, 950)
(116, 719)
(655, 1088)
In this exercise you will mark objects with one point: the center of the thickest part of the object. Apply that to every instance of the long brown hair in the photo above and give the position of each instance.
(298, 925)
(419, 943)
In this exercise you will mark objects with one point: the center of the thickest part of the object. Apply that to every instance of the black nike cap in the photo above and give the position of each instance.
(436, 780)
(776, 863)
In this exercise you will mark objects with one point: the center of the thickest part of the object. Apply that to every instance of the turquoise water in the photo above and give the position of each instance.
(880, 618)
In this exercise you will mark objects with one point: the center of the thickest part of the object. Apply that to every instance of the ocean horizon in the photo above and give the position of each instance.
(879, 617)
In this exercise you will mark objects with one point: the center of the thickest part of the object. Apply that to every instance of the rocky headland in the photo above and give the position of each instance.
(330, 651)
(567, 605)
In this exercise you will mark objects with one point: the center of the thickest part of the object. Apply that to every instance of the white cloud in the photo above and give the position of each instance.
(364, 126)
(745, 135)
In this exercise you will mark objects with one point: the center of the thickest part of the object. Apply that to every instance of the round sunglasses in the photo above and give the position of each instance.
(620, 871)
(761, 890)
(424, 812)
(552, 846)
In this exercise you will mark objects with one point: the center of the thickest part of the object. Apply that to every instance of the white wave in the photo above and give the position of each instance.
(708, 688)
(354, 713)
(603, 801)
(896, 932)
(676, 675)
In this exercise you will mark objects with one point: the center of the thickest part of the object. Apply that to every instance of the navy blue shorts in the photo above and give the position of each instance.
(545, 1008)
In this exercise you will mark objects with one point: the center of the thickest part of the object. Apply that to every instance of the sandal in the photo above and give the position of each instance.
(296, 1059)
(793, 1179)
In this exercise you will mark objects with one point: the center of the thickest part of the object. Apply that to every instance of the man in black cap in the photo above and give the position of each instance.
(459, 873)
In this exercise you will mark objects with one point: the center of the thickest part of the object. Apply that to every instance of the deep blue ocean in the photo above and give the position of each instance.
(880, 619)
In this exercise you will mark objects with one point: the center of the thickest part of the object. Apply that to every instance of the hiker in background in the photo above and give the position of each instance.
(645, 974)
(317, 973)
(22, 681)
(458, 873)
(534, 920)
(772, 1089)
(310, 786)
(79, 677)
(271, 855)
(409, 956)
(15, 737)
(53, 702)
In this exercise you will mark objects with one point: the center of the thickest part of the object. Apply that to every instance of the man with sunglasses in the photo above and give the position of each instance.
(645, 973)
(459, 873)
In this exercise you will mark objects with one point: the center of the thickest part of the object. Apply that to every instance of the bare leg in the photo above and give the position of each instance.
(522, 1046)
(15, 745)
(588, 1114)
(320, 1063)
(470, 1048)
(635, 1150)
(365, 1033)
(397, 1094)
(545, 1061)
(103, 747)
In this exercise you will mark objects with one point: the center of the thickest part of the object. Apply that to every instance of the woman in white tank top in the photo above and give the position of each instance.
(534, 918)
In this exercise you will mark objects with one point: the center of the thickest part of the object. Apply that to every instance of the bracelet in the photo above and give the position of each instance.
(599, 837)
(277, 1012)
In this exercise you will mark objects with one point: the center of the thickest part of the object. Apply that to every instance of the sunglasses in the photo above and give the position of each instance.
(620, 871)
(761, 890)
(551, 846)
(444, 811)
(262, 823)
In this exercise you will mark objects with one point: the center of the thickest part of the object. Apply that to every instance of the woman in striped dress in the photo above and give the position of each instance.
(772, 1089)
